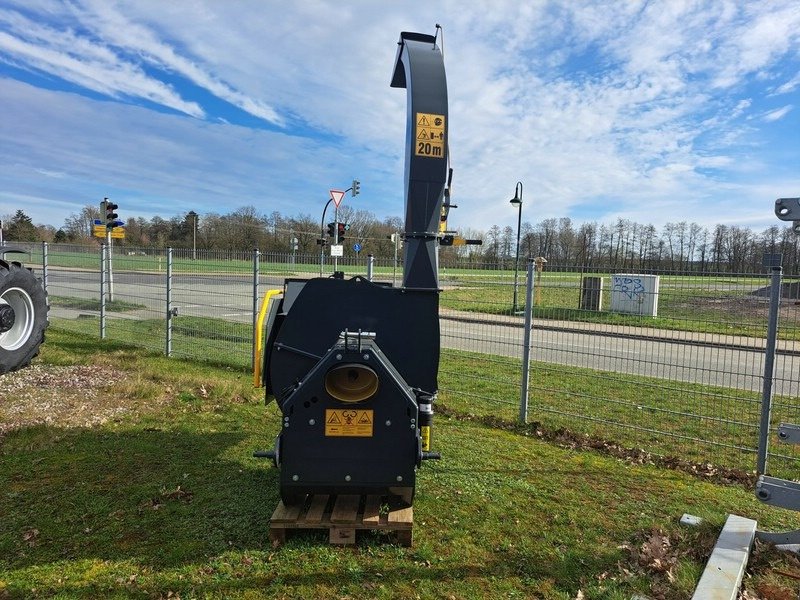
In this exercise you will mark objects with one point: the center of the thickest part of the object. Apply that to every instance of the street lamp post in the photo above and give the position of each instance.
(517, 201)
(322, 237)
(355, 189)
(194, 216)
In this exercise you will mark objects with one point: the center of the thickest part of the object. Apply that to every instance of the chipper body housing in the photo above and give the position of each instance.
(353, 364)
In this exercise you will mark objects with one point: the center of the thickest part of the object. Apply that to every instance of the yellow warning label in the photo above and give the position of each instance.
(425, 437)
(348, 423)
(429, 135)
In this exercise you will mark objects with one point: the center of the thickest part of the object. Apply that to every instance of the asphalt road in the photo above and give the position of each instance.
(671, 360)
(229, 296)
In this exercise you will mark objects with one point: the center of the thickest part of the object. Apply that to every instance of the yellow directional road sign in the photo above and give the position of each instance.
(117, 233)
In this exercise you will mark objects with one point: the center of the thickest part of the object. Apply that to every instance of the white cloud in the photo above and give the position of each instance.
(788, 86)
(110, 25)
(631, 108)
(154, 163)
(79, 61)
(777, 114)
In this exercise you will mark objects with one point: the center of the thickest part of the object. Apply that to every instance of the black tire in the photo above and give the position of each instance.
(23, 316)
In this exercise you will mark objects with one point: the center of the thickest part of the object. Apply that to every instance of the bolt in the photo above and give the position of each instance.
(312, 422)
(7, 318)
(347, 478)
(366, 357)
(388, 423)
(338, 357)
(399, 478)
(295, 477)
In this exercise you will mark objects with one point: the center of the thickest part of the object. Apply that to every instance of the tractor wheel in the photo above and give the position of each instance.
(23, 316)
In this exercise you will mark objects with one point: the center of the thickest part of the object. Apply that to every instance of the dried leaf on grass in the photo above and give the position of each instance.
(638, 456)
(177, 494)
(775, 591)
(29, 536)
(657, 554)
(770, 573)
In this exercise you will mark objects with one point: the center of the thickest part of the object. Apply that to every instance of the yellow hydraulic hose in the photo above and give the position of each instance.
(262, 314)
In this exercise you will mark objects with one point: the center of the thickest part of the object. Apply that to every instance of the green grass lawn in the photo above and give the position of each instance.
(164, 500)
(693, 422)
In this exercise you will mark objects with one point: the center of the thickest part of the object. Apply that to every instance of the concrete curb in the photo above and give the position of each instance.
(724, 570)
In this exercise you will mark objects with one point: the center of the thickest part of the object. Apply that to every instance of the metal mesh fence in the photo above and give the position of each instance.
(679, 375)
(676, 370)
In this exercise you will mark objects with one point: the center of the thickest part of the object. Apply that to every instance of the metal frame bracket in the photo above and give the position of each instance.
(778, 492)
(789, 433)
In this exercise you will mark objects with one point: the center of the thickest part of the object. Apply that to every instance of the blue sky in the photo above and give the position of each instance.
(652, 111)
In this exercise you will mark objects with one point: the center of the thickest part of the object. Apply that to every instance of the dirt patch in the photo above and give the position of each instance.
(66, 396)
(745, 309)
(582, 441)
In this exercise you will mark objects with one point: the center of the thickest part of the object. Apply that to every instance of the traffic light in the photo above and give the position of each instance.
(356, 189)
(342, 227)
(331, 227)
(109, 209)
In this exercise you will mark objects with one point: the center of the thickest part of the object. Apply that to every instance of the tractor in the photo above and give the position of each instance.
(23, 313)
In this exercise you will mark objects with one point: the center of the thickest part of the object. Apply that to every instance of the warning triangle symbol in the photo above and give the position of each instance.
(423, 135)
(424, 121)
(364, 420)
(334, 420)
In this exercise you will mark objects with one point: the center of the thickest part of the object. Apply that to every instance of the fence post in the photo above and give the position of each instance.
(769, 362)
(44, 266)
(396, 238)
(256, 267)
(102, 291)
(370, 266)
(168, 349)
(526, 348)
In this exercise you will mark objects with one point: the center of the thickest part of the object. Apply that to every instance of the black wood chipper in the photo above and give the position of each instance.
(353, 364)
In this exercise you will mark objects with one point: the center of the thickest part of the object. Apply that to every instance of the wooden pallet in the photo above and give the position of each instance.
(342, 516)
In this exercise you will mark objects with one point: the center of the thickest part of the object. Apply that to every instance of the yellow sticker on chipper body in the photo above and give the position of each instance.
(429, 135)
(347, 422)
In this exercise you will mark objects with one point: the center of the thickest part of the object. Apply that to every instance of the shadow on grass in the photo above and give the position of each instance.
(76, 343)
(177, 502)
(161, 498)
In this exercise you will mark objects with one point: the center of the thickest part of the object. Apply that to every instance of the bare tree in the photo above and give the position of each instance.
(78, 226)
(493, 243)
(507, 242)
